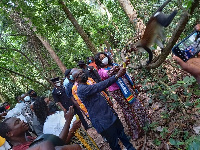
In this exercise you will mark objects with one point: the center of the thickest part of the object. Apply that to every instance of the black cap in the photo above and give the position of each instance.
(67, 72)
(29, 92)
(54, 79)
(81, 62)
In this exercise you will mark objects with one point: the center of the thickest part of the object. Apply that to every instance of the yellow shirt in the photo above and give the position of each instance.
(2, 140)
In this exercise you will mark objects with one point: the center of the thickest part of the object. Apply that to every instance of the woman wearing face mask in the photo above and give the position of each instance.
(125, 94)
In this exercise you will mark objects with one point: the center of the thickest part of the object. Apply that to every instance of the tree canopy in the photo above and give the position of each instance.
(27, 63)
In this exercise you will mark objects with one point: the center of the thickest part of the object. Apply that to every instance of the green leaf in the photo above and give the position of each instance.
(172, 141)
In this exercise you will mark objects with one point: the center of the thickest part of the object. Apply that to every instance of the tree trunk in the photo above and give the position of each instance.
(2, 99)
(36, 41)
(52, 53)
(33, 45)
(132, 15)
(176, 34)
(79, 29)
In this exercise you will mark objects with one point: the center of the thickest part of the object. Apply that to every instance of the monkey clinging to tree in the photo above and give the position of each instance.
(154, 32)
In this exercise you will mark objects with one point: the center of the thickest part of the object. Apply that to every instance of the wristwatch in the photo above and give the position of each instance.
(116, 76)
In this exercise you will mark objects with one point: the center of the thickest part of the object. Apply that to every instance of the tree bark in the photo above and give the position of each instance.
(34, 45)
(52, 53)
(132, 15)
(79, 29)
(176, 34)
(37, 41)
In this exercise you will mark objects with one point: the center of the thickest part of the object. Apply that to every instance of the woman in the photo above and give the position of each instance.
(124, 93)
(53, 123)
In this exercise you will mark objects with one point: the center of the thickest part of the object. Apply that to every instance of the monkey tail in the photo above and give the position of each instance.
(149, 52)
(161, 7)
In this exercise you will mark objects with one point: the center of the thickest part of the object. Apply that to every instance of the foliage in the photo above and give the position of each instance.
(29, 65)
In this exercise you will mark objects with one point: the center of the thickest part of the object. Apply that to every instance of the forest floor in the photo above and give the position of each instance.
(170, 128)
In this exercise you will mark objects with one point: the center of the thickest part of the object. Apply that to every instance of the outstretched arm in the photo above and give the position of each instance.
(68, 117)
(192, 66)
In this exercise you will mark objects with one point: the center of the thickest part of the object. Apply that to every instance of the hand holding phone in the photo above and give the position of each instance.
(192, 66)
(188, 47)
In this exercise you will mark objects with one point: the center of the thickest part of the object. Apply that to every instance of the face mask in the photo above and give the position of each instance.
(84, 78)
(66, 81)
(90, 61)
(33, 94)
(58, 84)
(105, 61)
(71, 77)
(20, 101)
(27, 98)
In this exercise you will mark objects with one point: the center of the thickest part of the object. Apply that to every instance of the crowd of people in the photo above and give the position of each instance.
(86, 95)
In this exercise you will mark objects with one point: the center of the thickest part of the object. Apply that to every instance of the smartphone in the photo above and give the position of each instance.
(188, 47)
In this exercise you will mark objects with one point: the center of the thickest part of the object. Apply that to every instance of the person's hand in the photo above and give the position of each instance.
(69, 115)
(76, 125)
(127, 61)
(192, 66)
(197, 27)
(121, 72)
(116, 68)
(2, 115)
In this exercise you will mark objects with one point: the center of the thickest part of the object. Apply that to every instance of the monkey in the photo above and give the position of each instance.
(154, 30)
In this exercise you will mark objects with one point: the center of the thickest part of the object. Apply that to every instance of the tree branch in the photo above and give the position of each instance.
(22, 75)
(180, 27)
(28, 60)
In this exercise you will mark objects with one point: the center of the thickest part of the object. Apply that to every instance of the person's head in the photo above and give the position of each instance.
(70, 77)
(41, 109)
(32, 93)
(56, 82)
(67, 73)
(6, 105)
(197, 27)
(105, 49)
(81, 64)
(47, 100)
(19, 99)
(27, 99)
(80, 76)
(12, 128)
(102, 60)
(90, 59)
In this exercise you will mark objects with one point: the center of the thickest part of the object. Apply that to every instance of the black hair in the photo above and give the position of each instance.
(98, 60)
(5, 103)
(41, 109)
(4, 129)
(88, 58)
(67, 71)
(29, 92)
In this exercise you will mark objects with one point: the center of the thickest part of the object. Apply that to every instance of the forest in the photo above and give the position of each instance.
(40, 39)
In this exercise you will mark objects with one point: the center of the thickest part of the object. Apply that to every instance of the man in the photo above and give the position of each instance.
(103, 117)
(14, 130)
(33, 95)
(61, 98)
(69, 81)
(90, 71)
